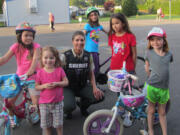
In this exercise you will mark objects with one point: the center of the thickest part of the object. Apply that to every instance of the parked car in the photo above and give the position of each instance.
(81, 11)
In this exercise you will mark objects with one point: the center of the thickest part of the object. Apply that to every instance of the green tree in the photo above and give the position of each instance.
(97, 2)
(129, 7)
(1, 2)
(150, 4)
(78, 3)
(117, 2)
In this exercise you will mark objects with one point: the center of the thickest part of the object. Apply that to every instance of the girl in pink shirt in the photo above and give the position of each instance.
(26, 53)
(50, 80)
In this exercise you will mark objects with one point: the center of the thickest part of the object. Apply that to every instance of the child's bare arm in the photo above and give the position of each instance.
(34, 62)
(40, 87)
(147, 67)
(105, 31)
(134, 54)
(62, 83)
(85, 32)
(4, 59)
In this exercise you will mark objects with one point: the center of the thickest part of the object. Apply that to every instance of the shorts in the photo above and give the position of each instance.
(51, 115)
(157, 95)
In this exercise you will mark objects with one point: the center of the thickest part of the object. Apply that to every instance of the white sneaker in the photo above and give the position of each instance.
(143, 132)
(127, 122)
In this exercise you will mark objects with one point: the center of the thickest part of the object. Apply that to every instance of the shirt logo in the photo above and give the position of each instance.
(94, 35)
(118, 48)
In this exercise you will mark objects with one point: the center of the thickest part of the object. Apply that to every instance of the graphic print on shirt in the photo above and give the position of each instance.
(94, 35)
(118, 48)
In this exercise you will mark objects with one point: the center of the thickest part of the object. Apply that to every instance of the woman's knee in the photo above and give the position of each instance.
(69, 107)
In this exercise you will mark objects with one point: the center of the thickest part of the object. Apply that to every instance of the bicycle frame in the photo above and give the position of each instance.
(5, 120)
(104, 64)
(136, 113)
(21, 111)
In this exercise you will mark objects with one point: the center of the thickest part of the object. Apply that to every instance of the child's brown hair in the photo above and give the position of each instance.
(165, 44)
(55, 53)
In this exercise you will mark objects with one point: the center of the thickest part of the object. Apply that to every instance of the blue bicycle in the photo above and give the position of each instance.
(10, 86)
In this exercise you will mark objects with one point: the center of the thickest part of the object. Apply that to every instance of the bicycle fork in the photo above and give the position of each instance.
(5, 121)
(115, 112)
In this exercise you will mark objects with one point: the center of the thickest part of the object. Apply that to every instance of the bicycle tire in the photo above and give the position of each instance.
(5, 128)
(2, 126)
(94, 122)
(33, 115)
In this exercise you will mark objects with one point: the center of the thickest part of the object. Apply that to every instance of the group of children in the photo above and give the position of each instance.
(50, 76)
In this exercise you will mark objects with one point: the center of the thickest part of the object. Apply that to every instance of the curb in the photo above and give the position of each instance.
(44, 29)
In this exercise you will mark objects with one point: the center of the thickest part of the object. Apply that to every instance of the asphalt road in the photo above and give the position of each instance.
(63, 41)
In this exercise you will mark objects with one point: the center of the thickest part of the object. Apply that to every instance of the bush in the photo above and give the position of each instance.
(73, 15)
(107, 14)
(109, 5)
(129, 7)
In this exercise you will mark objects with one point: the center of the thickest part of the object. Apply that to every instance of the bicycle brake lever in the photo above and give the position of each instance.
(23, 77)
(133, 77)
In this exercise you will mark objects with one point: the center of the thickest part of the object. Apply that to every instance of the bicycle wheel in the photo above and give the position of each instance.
(99, 121)
(33, 115)
(5, 128)
(140, 72)
(2, 126)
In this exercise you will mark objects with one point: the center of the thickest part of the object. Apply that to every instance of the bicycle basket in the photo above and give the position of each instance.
(134, 100)
(9, 85)
(116, 79)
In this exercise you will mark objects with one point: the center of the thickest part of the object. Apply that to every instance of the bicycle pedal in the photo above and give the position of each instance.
(33, 108)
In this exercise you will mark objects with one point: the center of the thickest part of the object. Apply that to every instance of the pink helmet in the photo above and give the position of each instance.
(25, 26)
(156, 31)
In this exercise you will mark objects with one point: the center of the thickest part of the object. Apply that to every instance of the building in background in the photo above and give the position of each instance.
(35, 11)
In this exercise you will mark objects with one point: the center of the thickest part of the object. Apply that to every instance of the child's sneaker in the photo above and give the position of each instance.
(143, 132)
(12, 122)
(127, 122)
(33, 108)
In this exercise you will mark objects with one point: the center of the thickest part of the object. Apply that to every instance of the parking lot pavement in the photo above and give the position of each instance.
(44, 29)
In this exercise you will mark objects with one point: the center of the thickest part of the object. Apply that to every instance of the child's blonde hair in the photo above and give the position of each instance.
(165, 44)
(55, 53)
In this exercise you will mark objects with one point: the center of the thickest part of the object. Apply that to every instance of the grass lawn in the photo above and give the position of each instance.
(139, 17)
(1, 24)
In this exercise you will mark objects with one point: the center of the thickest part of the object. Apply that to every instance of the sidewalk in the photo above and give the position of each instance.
(44, 29)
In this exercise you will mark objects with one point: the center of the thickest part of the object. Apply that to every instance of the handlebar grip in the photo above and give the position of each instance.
(133, 77)
(23, 77)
